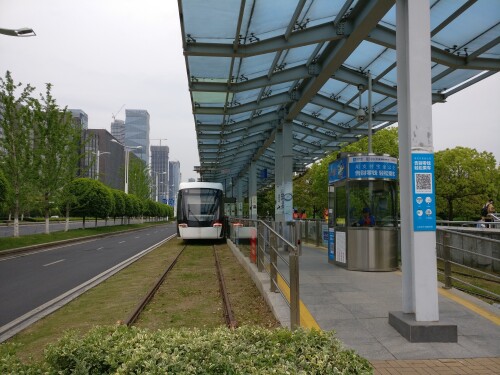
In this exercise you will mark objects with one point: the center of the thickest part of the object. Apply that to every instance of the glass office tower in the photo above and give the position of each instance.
(137, 132)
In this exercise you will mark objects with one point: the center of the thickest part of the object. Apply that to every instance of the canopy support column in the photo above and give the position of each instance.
(252, 191)
(239, 197)
(417, 190)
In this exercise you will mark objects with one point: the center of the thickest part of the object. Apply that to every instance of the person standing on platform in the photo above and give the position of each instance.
(487, 211)
(303, 215)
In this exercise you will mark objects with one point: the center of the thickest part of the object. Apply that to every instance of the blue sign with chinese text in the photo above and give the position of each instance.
(373, 166)
(424, 202)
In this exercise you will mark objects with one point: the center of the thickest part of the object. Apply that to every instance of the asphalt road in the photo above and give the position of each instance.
(26, 228)
(30, 280)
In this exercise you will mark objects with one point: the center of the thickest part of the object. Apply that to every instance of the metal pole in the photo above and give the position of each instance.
(369, 113)
(126, 169)
(447, 258)
(294, 291)
(97, 165)
(157, 191)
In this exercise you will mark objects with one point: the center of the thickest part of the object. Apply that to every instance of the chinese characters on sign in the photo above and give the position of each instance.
(371, 166)
(424, 202)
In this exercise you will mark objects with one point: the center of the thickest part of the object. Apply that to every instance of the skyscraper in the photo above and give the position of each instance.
(174, 178)
(118, 130)
(80, 118)
(159, 172)
(137, 132)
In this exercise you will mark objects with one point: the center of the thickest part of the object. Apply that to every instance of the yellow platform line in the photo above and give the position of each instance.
(306, 319)
(471, 306)
(467, 304)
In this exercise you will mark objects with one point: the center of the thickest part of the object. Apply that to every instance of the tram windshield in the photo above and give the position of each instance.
(200, 205)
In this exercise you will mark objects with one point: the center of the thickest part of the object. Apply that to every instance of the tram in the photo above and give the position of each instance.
(200, 210)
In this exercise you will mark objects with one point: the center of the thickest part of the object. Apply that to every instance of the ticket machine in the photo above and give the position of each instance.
(363, 232)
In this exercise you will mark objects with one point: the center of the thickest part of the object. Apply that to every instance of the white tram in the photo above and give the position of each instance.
(200, 210)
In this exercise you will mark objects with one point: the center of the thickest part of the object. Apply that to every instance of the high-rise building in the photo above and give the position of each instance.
(174, 179)
(137, 132)
(159, 172)
(118, 130)
(80, 118)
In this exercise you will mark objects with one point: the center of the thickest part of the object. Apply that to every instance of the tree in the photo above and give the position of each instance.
(57, 150)
(139, 179)
(91, 198)
(465, 179)
(119, 206)
(4, 189)
(16, 145)
(311, 189)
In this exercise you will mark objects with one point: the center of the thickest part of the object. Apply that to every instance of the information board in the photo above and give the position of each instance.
(424, 202)
(373, 166)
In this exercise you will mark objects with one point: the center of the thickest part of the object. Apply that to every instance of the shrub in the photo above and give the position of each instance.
(246, 350)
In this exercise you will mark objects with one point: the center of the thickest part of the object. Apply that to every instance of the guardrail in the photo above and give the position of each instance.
(460, 257)
(275, 255)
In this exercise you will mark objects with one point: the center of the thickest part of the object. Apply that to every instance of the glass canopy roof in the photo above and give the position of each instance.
(255, 63)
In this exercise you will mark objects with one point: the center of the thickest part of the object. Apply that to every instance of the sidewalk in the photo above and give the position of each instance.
(356, 305)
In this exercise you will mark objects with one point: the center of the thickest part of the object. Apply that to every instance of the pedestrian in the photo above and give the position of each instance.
(295, 215)
(303, 215)
(367, 219)
(487, 211)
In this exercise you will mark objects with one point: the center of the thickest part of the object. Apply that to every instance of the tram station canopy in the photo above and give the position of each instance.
(256, 64)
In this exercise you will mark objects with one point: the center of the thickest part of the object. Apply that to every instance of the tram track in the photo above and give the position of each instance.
(229, 318)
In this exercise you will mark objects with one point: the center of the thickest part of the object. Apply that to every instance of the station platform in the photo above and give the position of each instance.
(356, 306)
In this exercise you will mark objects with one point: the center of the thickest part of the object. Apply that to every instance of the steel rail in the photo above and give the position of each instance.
(228, 312)
(140, 307)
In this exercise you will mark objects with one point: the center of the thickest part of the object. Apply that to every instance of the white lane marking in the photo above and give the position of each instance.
(137, 236)
(57, 261)
(100, 248)
(121, 241)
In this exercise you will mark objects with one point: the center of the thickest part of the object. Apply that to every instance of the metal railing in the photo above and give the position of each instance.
(457, 256)
(275, 255)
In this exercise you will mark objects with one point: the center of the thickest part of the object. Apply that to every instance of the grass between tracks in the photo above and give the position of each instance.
(183, 302)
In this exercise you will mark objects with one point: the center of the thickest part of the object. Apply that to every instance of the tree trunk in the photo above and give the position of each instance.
(450, 210)
(84, 222)
(66, 225)
(47, 213)
(16, 219)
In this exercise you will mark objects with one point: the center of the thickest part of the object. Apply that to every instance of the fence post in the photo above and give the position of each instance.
(318, 232)
(294, 279)
(262, 244)
(273, 257)
(447, 258)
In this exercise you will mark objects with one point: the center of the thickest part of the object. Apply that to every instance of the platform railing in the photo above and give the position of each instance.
(469, 261)
(277, 256)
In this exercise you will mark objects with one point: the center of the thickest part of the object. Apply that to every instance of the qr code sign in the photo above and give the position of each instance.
(423, 183)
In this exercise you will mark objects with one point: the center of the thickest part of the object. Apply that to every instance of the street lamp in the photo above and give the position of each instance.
(157, 190)
(22, 32)
(98, 154)
(127, 157)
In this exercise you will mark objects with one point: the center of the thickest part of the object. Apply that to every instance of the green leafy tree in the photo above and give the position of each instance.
(119, 206)
(91, 199)
(465, 178)
(4, 189)
(57, 150)
(265, 206)
(311, 189)
(16, 145)
(139, 179)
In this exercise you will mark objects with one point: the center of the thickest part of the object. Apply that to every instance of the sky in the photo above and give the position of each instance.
(100, 55)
